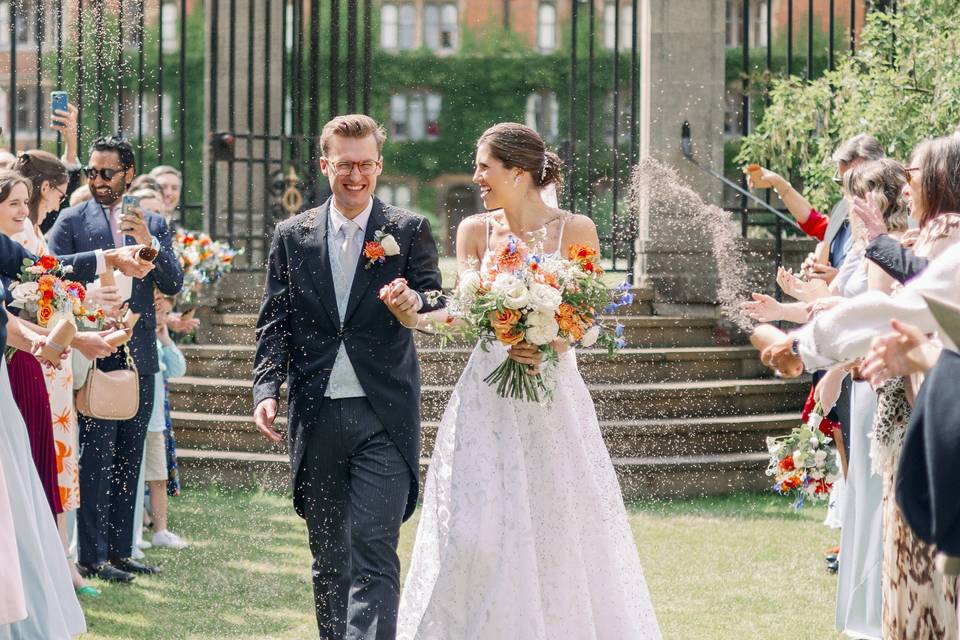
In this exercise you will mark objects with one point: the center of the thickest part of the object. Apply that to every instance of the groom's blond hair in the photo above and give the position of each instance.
(354, 125)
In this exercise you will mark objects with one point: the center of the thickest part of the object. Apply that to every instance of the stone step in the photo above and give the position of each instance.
(624, 438)
(639, 331)
(613, 401)
(443, 366)
(640, 477)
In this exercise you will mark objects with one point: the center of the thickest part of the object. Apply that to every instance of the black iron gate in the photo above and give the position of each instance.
(264, 148)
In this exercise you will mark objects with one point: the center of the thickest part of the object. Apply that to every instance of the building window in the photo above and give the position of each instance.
(547, 27)
(609, 26)
(389, 26)
(407, 28)
(398, 195)
(170, 21)
(758, 23)
(24, 11)
(415, 116)
(543, 114)
(440, 26)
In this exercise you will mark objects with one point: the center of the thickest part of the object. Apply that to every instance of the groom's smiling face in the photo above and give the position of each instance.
(352, 191)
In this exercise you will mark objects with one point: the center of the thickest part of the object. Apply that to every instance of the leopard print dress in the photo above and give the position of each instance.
(919, 602)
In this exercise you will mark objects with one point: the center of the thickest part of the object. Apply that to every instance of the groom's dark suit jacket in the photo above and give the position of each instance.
(299, 330)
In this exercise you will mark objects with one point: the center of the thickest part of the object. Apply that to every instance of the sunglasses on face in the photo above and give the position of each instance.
(106, 174)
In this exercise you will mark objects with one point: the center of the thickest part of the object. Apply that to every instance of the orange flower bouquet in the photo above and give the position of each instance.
(43, 291)
(803, 463)
(523, 295)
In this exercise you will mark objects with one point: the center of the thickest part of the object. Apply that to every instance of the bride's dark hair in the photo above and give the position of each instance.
(518, 146)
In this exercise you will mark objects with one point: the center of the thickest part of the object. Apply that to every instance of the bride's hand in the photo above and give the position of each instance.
(396, 296)
(528, 354)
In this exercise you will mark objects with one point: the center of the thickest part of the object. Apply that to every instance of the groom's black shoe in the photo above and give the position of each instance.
(130, 565)
(106, 572)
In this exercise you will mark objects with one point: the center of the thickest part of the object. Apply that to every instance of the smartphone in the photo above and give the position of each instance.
(126, 204)
(58, 102)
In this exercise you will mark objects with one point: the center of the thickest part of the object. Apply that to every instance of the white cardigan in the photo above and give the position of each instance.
(845, 332)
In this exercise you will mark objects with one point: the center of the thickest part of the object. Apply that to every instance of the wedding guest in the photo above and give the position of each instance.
(81, 195)
(48, 178)
(835, 229)
(7, 160)
(50, 602)
(171, 184)
(145, 181)
(918, 600)
(66, 124)
(173, 365)
(111, 450)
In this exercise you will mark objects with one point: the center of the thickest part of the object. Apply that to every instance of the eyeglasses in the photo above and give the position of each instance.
(837, 178)
(106, 174)
(63, 194)
(366, 167)
(910, 170)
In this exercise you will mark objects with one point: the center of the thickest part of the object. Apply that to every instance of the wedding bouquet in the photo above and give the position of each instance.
(803, 463)
(526, 295)
(203, 260)
(43, 291)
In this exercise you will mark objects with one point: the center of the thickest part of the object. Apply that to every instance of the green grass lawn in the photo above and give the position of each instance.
(739, 567)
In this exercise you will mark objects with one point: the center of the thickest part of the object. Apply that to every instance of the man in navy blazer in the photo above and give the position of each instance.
(111, 450)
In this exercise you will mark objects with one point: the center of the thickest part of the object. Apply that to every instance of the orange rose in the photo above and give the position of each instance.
(374, 251)
(44, 313)
(504, 321)
(45, 282)
(570, 322)
(509, 336)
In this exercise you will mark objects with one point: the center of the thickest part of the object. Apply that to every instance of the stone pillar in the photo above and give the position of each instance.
(255, 104)
(682, 53)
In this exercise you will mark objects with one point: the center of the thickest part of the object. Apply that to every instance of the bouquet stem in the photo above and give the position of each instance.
(513, 381)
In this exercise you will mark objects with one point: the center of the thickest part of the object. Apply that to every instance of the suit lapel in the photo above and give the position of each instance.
(318, 257)
(362, 277)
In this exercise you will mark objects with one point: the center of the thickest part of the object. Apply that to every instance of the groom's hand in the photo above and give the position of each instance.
(263, 416)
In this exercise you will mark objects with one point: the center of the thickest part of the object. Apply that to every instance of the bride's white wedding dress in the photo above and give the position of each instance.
(523, 534)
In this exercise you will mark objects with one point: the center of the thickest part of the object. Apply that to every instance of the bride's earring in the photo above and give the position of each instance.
(516, 180)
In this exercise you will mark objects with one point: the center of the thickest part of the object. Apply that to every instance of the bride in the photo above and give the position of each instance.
(523, 532)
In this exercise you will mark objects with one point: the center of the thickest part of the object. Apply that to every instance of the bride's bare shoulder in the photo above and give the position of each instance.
(473, 225)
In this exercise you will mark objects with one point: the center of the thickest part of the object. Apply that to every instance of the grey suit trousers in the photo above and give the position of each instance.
(355, 487)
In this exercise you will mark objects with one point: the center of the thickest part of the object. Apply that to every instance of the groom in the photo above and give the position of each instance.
(353, 378)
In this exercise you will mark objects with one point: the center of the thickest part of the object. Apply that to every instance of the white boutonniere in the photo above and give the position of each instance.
(383, 246)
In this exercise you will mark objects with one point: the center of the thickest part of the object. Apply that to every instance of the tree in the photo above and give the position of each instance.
(902, 86)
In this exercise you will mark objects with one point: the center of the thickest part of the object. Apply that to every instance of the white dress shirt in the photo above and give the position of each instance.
(343, 379)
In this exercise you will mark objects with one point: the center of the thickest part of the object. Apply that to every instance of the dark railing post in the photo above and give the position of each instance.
(572, 122)
(12, 100)
(213, 96)
(267, 97)
(830, 49)
(231, 116)
(745, 104)
(98, 52)
(809, 39)
(853, 26)
(58, 12)
(38, 17)
(251, 8)
(591, 24)
(789, 37)
(141, 63)
(334, 70)
(183, 112)
(351, 57)
(119, 69)
(616, 132)
(367, 47)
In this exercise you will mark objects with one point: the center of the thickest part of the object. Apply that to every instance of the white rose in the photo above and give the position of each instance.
(470, 282)
(390, 246)
(544, 298)
(26, 291)
(590, 337)
(814, 442)
(797, 459)
(542, 328)
(514, 293)
(820, 457)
